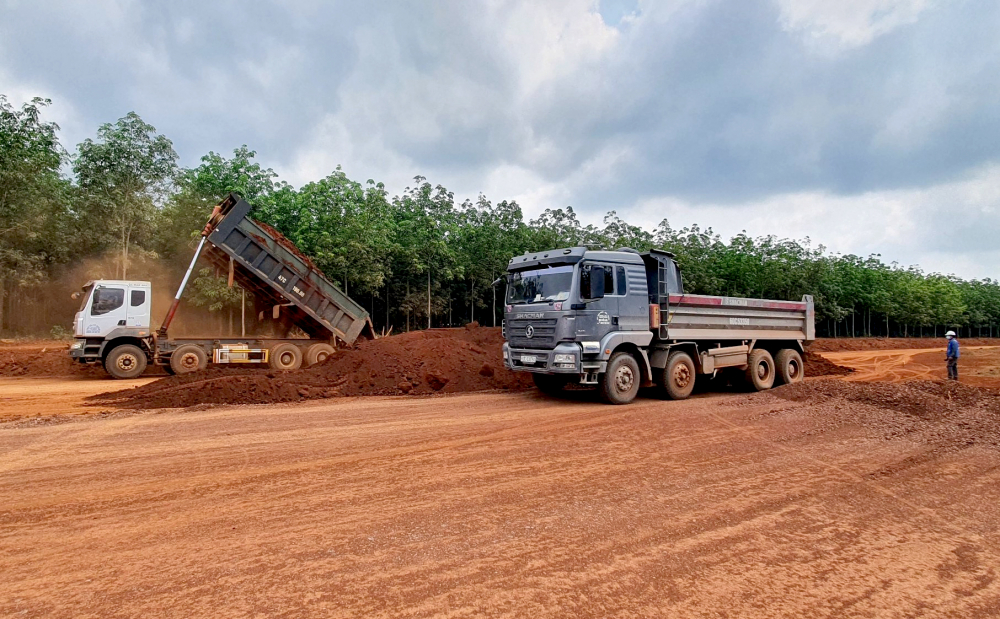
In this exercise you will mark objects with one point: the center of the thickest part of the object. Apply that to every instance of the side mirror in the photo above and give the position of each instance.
(592, 283)
(75, 296)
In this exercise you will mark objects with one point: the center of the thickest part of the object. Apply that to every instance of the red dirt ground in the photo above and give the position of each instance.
(830, 344)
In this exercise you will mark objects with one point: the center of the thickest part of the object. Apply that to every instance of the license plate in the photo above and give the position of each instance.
(528, 359)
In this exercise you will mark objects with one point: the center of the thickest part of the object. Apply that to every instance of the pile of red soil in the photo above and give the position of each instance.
(841, 344)
(39, 359)
(416, 363)
(816, 365)
(946, 415)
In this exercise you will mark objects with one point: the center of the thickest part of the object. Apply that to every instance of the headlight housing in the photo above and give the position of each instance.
(76, 345)
(564, 358)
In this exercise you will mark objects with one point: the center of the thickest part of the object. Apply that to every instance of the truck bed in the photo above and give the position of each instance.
(269, 265)
(700, 317)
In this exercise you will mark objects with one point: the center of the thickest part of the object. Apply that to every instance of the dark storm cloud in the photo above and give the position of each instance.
(698, 101)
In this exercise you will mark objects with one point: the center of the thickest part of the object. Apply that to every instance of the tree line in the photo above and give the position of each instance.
(118, 205)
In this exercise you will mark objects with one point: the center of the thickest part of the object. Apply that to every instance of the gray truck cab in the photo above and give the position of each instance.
(568, 310)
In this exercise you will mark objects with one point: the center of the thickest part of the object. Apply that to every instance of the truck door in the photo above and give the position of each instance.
(107, 310)
(599, 316)
(138, 307)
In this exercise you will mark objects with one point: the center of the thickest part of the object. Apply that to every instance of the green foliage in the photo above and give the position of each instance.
(123, 176)
(415, 257)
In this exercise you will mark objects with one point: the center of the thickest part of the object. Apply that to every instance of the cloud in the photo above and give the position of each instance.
(714, 110)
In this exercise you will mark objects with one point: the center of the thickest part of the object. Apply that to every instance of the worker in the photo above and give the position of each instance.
(952, 355)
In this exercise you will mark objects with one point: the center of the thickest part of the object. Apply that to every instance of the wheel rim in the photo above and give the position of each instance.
(321, 357)
(127, 362)
(189, 361)
(763, 370)
(286, 358)
(682, 375)
(624, 379)
(793, 369)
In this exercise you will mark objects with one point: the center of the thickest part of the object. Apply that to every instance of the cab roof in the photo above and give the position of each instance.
(571, 255)
(116, 282)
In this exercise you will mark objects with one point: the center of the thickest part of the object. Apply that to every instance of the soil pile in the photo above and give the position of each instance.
(42, 359)
(843, 344)
(945, 415)
(416, 363)
(816, 365)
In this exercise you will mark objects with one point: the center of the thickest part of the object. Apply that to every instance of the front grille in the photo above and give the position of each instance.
(543, 333)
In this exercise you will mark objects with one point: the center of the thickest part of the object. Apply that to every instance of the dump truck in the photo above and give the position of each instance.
(620, 320)
(112, 326)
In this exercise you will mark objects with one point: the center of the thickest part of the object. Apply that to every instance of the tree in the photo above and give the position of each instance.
(124, 175)
(33, 215)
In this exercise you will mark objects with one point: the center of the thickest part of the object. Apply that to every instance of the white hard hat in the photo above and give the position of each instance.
(950, 334)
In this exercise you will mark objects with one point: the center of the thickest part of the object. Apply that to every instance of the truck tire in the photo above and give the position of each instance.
(790, 367)
(760, 370)
(188, 358)
(549, 384)
(620, 384)
(318, 353)
(678, 376)
(285, 357)
(125, 361)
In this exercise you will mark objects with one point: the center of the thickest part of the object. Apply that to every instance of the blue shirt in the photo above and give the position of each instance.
(953, 348)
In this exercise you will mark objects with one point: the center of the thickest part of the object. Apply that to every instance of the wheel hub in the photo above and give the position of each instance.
(682, 376)
(189, 361)
(762, 370)
(126, 362)
(624, 378)
(286, 358)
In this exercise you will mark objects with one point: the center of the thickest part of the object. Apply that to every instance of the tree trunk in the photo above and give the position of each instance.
(407, 306)
(3, 295)
(428, 298)
(494, 306)
(472, 302)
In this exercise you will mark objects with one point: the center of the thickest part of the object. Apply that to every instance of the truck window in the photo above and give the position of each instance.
(107, 300)
(609, 280)
(138, 297)
(620, 274)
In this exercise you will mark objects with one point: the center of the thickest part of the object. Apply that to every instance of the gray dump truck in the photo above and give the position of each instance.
(112, 326)
(620, 320)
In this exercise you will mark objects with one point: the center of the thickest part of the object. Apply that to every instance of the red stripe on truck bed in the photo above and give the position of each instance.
(696, 300)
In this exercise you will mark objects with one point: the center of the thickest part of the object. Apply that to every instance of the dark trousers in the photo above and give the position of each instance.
(952, 369)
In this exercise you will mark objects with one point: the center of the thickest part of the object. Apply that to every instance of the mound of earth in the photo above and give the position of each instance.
(40, 359)
(415, 363)
(944, 415)
(816, 365)
(843, 344)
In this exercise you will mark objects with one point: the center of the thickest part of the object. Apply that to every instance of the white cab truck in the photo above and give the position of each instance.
(620, 320)
(112, 326)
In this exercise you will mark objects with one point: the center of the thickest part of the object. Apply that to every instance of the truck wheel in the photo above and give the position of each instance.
(125, 361)
(188, 358)
(620, 384)
(679, 376)
(318, 353)
(790, 366)
(548, 384)
(760, 370)
(285, 357)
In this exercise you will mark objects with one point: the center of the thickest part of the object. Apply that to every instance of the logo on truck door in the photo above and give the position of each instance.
(604, 318)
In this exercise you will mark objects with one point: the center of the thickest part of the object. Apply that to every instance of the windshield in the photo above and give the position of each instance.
(84, 296)
(539, 285)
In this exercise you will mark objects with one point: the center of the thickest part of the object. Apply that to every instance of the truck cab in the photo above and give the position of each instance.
(567, 310)
(112, 311)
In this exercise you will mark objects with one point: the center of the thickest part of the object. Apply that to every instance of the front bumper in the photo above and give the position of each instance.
(544, 362)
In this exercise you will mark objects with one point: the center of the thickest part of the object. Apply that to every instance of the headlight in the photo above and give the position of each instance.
(76, 346)
(564, 359)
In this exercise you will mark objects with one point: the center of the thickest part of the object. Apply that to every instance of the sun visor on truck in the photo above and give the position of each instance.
(550, 257)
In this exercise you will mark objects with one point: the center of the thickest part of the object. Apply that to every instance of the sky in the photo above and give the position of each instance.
(868, 126)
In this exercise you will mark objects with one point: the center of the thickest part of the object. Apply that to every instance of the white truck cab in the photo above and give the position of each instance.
(108, 305)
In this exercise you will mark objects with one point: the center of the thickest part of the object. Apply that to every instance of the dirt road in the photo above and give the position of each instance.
(42, 397)
(496, 505)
